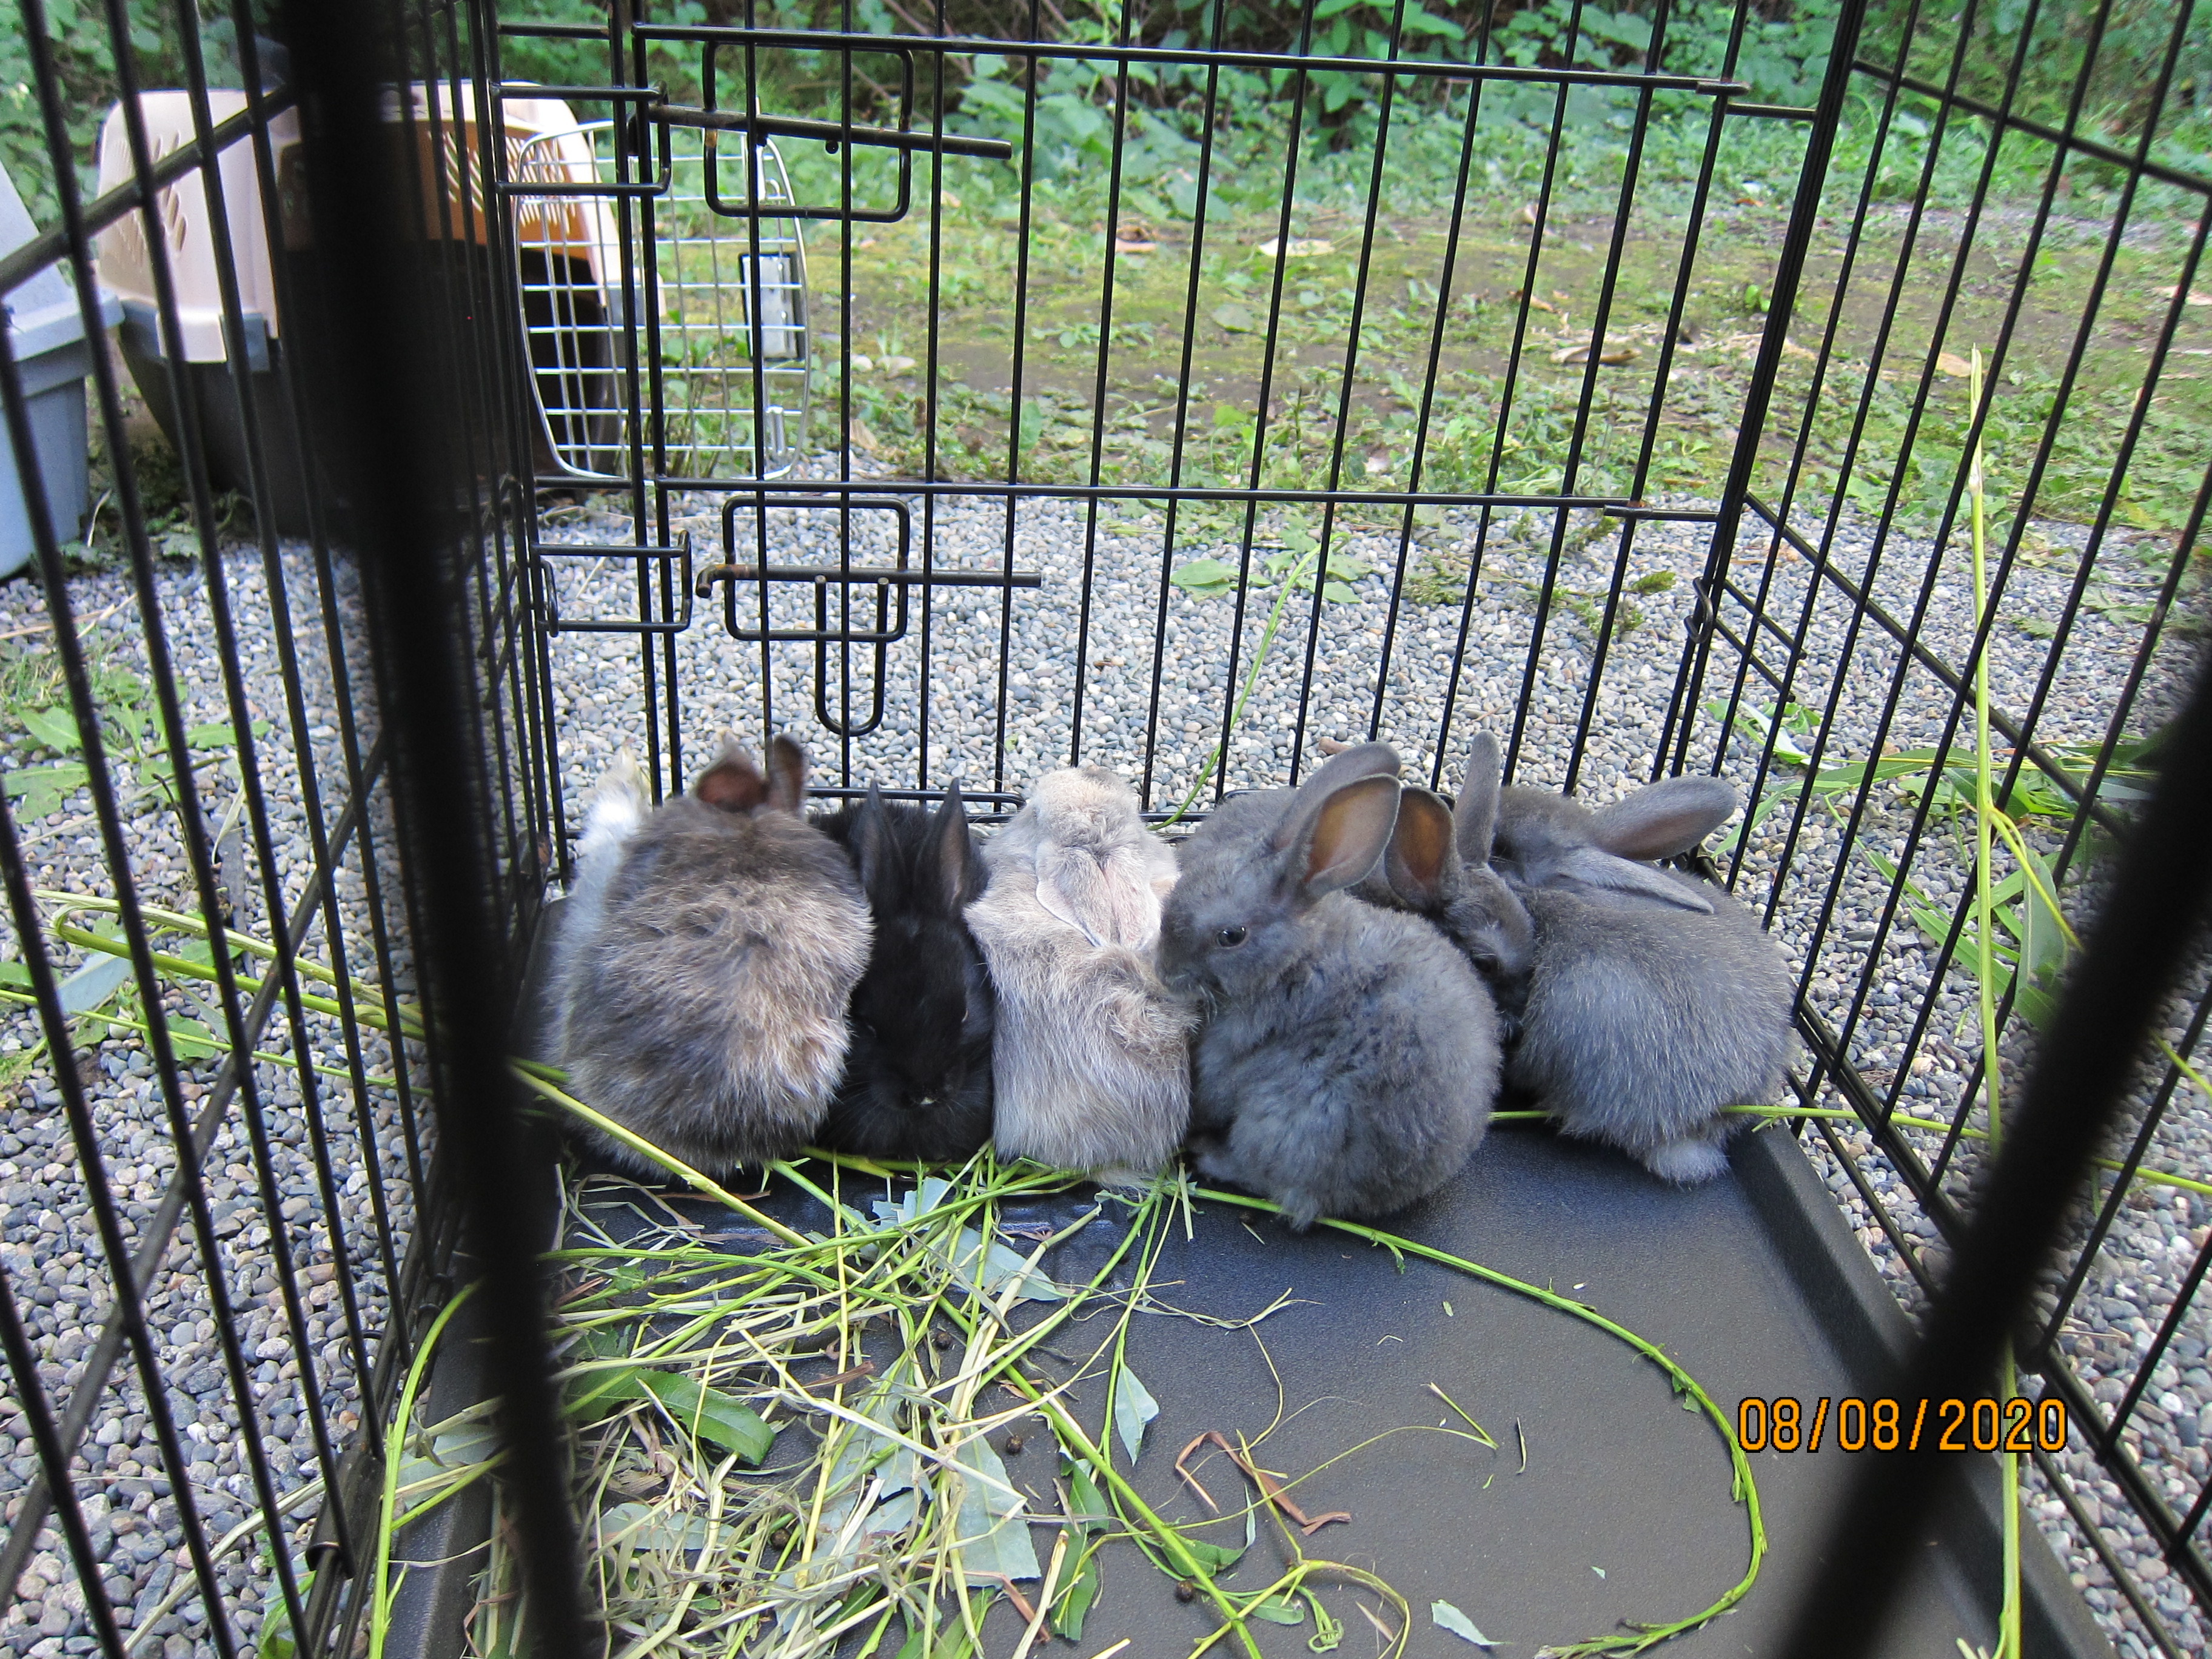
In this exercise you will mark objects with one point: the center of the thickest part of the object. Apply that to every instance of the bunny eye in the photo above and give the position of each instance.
(1230, 937)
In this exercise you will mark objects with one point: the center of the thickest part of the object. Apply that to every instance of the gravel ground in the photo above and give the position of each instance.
(2134, 1277)
(601, 707)
(53, 1255)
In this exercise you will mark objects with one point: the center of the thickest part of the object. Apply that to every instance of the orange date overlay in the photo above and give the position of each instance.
(1852, 1423)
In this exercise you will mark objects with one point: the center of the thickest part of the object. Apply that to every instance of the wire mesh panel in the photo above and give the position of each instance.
(223, 1232)
(705, 277)
(1189, 389)
(2032, 193)
(1172, 376)
(1600, 381)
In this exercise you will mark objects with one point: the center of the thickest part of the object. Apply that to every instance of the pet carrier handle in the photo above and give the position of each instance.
(830, 133)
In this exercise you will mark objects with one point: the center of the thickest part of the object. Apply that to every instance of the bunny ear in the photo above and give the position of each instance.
(1422, 864)
(1107, 905)
(951, 870)
(1592, 868)
(1363, 760)
(787, 774)
(1366, 760)
(1663, 820)
(1340, 835)
(733, 783)
(875, 850)
(1475, 818)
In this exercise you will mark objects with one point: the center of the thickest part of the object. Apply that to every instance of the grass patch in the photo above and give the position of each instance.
(1514, 405)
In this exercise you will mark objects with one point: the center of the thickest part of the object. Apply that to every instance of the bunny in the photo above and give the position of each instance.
(1091, 1058)
(1437, 866)
(1654, 999)
(612, 812)
(703, 986)
(1349, 1058)
(917, 1082)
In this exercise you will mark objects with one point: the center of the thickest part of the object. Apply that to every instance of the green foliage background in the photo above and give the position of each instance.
(1782, 52)
(1531, 141)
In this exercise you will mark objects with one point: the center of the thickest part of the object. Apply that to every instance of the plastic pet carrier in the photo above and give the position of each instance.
(565, 302)
(47, 336)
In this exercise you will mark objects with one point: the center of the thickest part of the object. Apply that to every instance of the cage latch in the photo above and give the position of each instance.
(877, 626)
(663, 585)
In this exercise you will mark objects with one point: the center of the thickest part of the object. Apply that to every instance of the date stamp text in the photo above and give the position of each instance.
(1784, 1424)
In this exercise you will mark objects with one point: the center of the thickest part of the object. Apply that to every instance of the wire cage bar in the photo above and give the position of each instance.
(245, 1227)
(713, 383)
(1172, 395)
(1870, 419)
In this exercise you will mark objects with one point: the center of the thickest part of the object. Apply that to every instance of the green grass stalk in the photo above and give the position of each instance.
(2008, 1618)
(1169, 1539)
(1745, 1489)
(638, 1144)
(1289, 585)
(2174, 1057)
(367, 999)
(112, 1016)
(382, 1591)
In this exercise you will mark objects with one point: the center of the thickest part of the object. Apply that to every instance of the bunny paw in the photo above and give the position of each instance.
(1686, 1162)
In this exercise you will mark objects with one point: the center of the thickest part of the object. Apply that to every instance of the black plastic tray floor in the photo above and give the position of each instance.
(1752, 1283)
(1623, 1511)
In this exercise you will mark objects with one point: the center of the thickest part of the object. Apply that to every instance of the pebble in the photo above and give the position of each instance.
(48, 1240)
(1847, 674)
(1205, 656)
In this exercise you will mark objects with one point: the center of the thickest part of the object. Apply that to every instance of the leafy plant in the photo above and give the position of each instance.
(133, 735)
(276, 1641)
(1293, 562)
(1946, 781)
(1362, 28)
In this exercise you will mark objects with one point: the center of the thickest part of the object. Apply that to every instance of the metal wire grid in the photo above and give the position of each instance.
(307, 854)
(1250, 493)
(1738, 607)
(1763, 629)
(1773, 573)
(701, 286)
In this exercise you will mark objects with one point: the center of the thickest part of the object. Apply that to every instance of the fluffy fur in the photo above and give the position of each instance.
(1349, 1058)
(1090, 1060)
(917, 1082)
(705, 984)
(613, 810)
(1654, 1000)
(1438, 866)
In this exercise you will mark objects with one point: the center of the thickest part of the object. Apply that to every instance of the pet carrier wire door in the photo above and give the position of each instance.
(712, 382)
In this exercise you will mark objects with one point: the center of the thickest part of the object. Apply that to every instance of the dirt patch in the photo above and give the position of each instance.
(1608, 360)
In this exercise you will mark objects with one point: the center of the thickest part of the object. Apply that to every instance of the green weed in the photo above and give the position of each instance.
(35, 714)
(1293, 570)
(2028, 934)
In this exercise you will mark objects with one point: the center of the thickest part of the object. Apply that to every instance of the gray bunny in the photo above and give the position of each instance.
(1654, 1000)
(703, 986)
(1348, 1060)
(1091, 1058)
(1439, 867)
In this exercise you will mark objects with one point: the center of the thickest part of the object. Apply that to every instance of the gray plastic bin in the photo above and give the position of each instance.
(46, 339)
